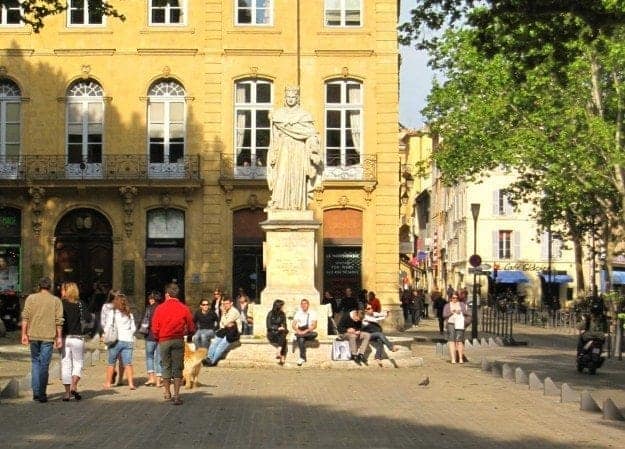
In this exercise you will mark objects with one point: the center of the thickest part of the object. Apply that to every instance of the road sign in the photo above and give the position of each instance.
(475, 260)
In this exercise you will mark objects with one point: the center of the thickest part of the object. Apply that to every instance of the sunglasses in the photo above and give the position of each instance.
(204, 304)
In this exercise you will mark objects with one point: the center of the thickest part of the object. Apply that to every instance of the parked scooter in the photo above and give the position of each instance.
(590, 355)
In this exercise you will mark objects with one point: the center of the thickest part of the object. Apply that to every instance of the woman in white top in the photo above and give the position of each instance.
(124, 321)
(458, 317)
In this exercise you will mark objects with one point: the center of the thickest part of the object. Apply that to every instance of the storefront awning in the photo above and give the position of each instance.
(557, 278)
(618, 277)
(510, 277)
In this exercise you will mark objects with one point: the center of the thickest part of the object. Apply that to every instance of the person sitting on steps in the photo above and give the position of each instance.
(304, 324)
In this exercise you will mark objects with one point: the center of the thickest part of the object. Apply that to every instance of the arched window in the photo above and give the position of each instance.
(85, 128)
(166, 125)
(10, 97)
(252, 103)
(343, 125)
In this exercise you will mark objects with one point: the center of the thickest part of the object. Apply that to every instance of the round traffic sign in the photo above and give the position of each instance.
(475, 260)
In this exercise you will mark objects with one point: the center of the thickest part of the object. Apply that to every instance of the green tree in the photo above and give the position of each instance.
(543, 130)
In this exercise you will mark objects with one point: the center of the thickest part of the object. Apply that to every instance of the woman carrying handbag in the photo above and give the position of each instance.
(457, 317)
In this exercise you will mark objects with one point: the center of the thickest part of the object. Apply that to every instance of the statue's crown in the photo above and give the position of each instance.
(292, 89)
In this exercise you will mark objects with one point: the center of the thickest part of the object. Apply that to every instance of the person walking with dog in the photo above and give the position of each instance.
(171, 322)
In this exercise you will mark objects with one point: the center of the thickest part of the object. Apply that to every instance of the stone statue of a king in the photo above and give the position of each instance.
(294, 158)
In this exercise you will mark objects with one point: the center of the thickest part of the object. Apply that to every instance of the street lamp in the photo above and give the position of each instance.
(475, 211)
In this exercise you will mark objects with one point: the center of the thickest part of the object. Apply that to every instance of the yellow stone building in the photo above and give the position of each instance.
(132, 153)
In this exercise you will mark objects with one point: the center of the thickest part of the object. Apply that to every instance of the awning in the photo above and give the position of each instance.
(557, 278)
(510, 277)
(618, 277)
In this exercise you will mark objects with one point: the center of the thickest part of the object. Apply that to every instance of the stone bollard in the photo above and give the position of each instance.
(611, 411)
(520, 377)
(551, 389)
(495, 370)
(486, 365)
(491, 342)
(467, 344)
(27, 382)
(483, 342)
(475, 343)
(507, 372)
(587, 403)
(498, 341)
(568, 394)
(11, 390)
(534, 382)
(439, 349)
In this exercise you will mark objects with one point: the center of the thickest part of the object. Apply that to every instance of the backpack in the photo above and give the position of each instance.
(87, 319)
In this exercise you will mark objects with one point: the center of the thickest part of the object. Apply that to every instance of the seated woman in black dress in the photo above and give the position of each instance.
(277, 330)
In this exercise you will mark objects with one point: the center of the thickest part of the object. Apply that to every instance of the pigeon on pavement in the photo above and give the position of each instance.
(425, 382)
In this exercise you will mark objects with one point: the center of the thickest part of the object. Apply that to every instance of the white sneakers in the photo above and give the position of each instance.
(300, 362)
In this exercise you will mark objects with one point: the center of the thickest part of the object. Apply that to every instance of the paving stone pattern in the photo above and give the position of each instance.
(307, 407)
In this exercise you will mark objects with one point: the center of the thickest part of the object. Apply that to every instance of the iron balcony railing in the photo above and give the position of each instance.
(366, 170)
(112, 167)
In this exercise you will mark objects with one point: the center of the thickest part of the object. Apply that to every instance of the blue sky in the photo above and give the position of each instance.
(415, 78)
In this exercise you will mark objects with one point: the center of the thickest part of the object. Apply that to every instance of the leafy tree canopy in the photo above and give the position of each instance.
(529, 32)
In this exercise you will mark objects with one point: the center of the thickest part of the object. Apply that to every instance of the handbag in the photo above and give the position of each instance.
(110, 333)
(340, 351)
(459, 322)
(144, 328)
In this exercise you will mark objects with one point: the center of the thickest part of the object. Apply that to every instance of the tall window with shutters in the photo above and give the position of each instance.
(85, 129)
(166, 129)
(501, 204)
(343, 129)
(343, 13)
(506, 244)
(252, 103)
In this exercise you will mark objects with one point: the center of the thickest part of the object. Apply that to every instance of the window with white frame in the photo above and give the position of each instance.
(85, 122)
(252, 103)
(84, 12)
(556, 245)
(167, 12)
(506, 244)
(166, 122)
(10, 13)
(501, 203)
(343, 13)
(254, 12)
(343, 123)
(10, 97)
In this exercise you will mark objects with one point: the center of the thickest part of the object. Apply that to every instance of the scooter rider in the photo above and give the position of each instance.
(594, 325)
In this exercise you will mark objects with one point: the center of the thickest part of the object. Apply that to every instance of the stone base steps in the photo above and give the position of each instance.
(253, 352)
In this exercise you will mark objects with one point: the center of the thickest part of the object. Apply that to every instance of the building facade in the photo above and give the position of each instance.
(516, 258)
(133, 153)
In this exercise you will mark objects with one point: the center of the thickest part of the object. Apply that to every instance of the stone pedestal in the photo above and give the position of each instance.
(290, 258)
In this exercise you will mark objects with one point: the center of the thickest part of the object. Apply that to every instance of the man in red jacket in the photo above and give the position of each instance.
(171, 322)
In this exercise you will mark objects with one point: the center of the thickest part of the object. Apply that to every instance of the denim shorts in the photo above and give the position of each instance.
(123, 348)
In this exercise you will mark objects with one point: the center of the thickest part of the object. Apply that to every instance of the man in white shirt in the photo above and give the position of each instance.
(304, 324)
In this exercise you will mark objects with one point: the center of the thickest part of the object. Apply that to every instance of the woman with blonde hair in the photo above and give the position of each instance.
(73, 341)
(124, 321)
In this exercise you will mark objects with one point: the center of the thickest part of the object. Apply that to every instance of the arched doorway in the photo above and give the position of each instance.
(83, 250)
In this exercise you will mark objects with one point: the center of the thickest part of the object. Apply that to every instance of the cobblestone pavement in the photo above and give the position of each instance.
(550, 352)
(272, 408)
